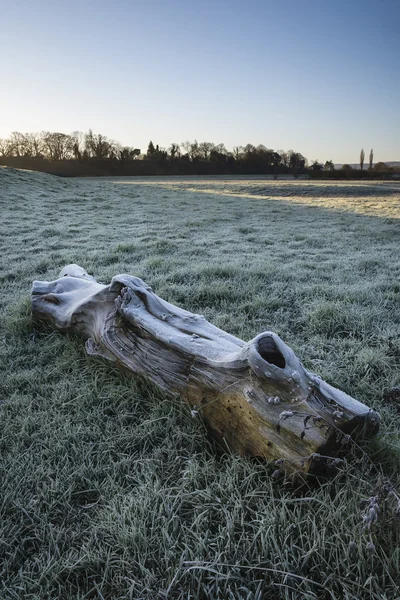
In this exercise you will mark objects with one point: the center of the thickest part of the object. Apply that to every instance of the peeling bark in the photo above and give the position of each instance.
(257, 397)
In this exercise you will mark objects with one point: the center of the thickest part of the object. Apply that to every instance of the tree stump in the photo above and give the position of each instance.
(256, 397)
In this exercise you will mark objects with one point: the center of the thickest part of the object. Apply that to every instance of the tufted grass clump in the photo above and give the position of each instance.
(110, 489)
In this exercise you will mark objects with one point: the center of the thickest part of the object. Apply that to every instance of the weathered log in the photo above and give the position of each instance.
(257, 397)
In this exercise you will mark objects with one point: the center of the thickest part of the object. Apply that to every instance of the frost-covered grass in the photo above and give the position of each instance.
(108, 489)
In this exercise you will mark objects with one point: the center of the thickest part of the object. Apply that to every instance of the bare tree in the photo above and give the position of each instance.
(238, 152)
(362, 156)
(57, 146)
(192, 149)
(186, 147)
(284, 158)
(16, 144)
(221, 149)
(77, 144)
(205, 148)
(371, 159)
(27, 144)
(36, 143)
(23, 144)
(98, 146)
(3, 147)
(174, 151)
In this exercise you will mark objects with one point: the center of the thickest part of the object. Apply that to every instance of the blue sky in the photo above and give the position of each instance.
(322, 78)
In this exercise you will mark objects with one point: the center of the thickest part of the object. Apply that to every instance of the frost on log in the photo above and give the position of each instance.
(256, 397)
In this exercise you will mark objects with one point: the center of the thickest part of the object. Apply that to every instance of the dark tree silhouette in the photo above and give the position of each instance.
(329, 166)
(362, 156)
(174, 151)
(91, 153)
(382, 167)
(205, 148)
(151, 150)
(316, 166)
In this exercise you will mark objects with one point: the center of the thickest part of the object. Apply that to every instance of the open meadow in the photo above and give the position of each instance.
(110, 489)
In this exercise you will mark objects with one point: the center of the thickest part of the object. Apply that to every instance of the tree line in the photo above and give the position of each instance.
(258, 158)
(61, 146)
(101, 153)
(91, 153)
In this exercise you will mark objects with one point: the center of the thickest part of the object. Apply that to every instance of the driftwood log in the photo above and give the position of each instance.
(256, 397)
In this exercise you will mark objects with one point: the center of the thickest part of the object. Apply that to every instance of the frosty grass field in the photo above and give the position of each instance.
(111, 490)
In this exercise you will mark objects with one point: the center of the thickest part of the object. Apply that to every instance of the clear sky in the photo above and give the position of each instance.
(319, 77)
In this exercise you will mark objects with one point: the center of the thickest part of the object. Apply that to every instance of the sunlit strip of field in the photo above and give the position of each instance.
(358, 198)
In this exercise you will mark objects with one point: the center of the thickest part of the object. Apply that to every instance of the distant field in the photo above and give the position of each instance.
(110, 490)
